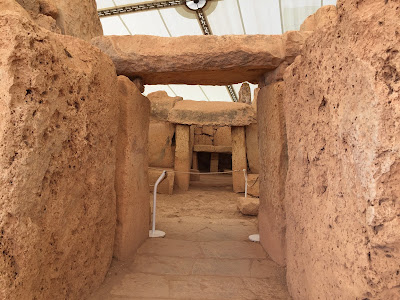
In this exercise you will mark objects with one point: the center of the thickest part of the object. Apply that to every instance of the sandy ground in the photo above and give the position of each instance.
(205, 254)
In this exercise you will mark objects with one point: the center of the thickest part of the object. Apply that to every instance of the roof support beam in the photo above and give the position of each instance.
(124, 9)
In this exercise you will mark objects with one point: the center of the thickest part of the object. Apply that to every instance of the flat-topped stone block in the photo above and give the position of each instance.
(213, 60)
(211, 113)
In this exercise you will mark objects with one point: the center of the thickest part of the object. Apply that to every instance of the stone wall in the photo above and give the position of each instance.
(342, 191)
(273, 169)
(57, 162)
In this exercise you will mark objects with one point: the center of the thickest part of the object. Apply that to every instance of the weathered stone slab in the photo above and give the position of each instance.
(63, 17)
(212, 149)
(131, 179)
(273, 168)
(183, 159)
(160, 148)
(214, 60)
(323, 17)
(248, 206)
(252, 151)
(239, 161)
(58, 137)
(212, 113)
(342, 191)
(161, 104)
(222, 136)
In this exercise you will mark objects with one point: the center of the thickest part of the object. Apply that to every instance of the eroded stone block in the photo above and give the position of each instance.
(273, 170)
(212, 113)
(58, 137)
(131, 180)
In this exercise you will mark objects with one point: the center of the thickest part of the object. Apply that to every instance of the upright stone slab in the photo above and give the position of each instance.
(273, 170)
(214, 162)
(252, 150)
(58, 137)
(343, 183)
(239, 161)
(131, 180)
(182, 157)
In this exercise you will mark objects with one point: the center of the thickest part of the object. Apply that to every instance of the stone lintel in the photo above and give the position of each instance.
(209, 60)
(212, 149)
(212, 113)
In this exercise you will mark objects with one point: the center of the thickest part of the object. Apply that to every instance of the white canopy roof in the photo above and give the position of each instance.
(224, 17)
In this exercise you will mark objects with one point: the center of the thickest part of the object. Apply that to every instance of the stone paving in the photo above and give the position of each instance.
(202, 257)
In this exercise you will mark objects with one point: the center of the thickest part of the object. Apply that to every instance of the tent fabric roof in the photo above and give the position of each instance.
(224, 17)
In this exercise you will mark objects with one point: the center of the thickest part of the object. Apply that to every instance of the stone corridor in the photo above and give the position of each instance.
(205, 254)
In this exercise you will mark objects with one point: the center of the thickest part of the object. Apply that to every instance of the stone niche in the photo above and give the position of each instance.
(342, 108)
(58, 137)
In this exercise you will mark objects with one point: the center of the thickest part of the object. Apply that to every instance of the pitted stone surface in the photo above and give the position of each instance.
(58, 130)
(341, 107)
(212, 113)
(215, 60)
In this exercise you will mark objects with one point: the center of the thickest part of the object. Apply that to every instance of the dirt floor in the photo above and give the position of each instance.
(205, 254)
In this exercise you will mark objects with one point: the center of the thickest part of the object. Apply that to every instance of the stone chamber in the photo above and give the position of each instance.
(81, 148)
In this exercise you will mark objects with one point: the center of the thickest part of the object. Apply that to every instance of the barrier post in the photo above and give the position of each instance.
(153, 233)
(245, 182)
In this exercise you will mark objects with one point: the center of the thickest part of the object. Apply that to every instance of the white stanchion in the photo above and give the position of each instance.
(153, 233)
(245, 180)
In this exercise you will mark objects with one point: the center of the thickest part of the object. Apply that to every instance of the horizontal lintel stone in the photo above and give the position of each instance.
(208, 60)
(219, 113)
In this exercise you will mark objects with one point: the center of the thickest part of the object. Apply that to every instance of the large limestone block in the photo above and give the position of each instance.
(73, 17)
(131, 179)
(239, 161)
(215, 60)
(293, 43)
(161, 104)
(160, 147)
(253, 157)
(222, 136)
(203, 139)
(212, 113)
(58, 134)
(248, 206)
(183, 159)
(273, 169)
(342, 192)
(323, 17)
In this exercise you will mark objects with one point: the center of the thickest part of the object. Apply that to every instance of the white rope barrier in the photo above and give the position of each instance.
(197, 173)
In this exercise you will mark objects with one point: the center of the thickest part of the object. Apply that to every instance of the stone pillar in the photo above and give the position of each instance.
(182, 156)
(273, 170)
(195, 162)
(131, 178)
(214, 162)
(239, 161)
